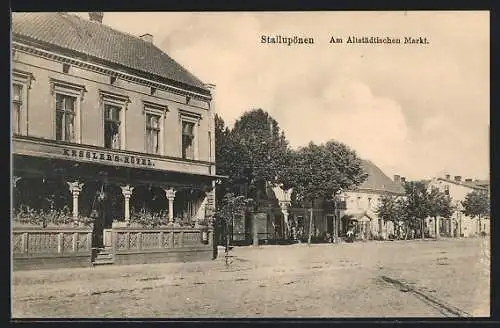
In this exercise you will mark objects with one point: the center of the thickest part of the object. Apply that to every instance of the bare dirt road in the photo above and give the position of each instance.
(445, 278)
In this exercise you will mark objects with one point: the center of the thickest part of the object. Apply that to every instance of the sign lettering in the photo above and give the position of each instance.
(99, 156)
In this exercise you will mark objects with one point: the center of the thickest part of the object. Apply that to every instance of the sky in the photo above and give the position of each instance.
(414, 110)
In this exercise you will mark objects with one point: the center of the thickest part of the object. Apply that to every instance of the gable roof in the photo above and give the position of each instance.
(66, 32)
(472, 184)
(377, 180)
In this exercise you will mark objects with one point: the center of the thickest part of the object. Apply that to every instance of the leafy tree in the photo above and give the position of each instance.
(477, 203)
(390, 208)
(231, 206)
(252, 154)
(320, 171)
(417, 205)
(225, 158)
(439, 205)
(261, 151)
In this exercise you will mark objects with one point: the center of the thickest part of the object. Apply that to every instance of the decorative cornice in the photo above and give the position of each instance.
(194, 116)
(114, 96)
(27, 77)
(155, 106)
(21, 47)
(67, 85)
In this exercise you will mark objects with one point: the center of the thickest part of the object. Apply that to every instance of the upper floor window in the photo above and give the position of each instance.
(188, 138)
(114, 107)
(154, 115)
(153, 133)
(21, 82)
(189, 135)
(17, 103)
(112, 126)
(65, 117)
(68, 97)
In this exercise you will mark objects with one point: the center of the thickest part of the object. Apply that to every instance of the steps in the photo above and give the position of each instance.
(103, 256)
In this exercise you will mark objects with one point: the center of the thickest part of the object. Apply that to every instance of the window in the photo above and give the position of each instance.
(189, 136)
(188, 140)
(68, 97)
(21, 83)
(446, 190)
(112, 126)
(154, 115)
(65, 117)
(113, 108)
(153, 133)
(17, 103)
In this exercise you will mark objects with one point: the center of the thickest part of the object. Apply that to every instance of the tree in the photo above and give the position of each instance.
(417, 205)
(439, 206)
(320, 171)
(390, 208)
(260, 154)
(230, 207)
(477, 203)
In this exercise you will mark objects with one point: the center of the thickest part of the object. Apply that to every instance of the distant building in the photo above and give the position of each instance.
(362, 203)
(459, 224)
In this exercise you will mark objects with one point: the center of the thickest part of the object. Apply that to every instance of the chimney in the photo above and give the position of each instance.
(147, 37)
(447, 177)
(403, 179)
(396, 178)
(96, 16)
(458, 178)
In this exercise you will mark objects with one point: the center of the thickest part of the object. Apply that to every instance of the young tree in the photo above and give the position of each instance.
(320, 171)
(230, 207)
(390, 208)
(477, 203)
(417, 205)
(439, 206)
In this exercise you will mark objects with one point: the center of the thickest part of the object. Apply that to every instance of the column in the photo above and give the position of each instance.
(75, 188)
(170, 193)
(284, 210)
(127, 193)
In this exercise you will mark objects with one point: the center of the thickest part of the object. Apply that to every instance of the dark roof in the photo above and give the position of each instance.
(100, 42)
(473, 184)
(378, 180)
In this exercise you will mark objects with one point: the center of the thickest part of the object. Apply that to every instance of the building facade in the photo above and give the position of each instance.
(458, 224)
(98, 114)
(363, 202)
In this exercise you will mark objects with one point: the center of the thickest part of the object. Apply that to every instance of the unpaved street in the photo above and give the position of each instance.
(449, 277)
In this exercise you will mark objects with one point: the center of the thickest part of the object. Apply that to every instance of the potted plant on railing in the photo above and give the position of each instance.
(26, 216)
(144, 218)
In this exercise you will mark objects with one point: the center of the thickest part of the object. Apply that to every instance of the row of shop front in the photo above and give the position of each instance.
(69, 209)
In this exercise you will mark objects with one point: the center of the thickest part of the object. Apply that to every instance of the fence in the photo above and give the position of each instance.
(146, 245)
(37, 247)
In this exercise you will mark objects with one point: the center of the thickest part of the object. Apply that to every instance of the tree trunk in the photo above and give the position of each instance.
(422, 224)
(254, 221)
(436, 226)
(310, 226)
(479, 223)
(227, 237)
